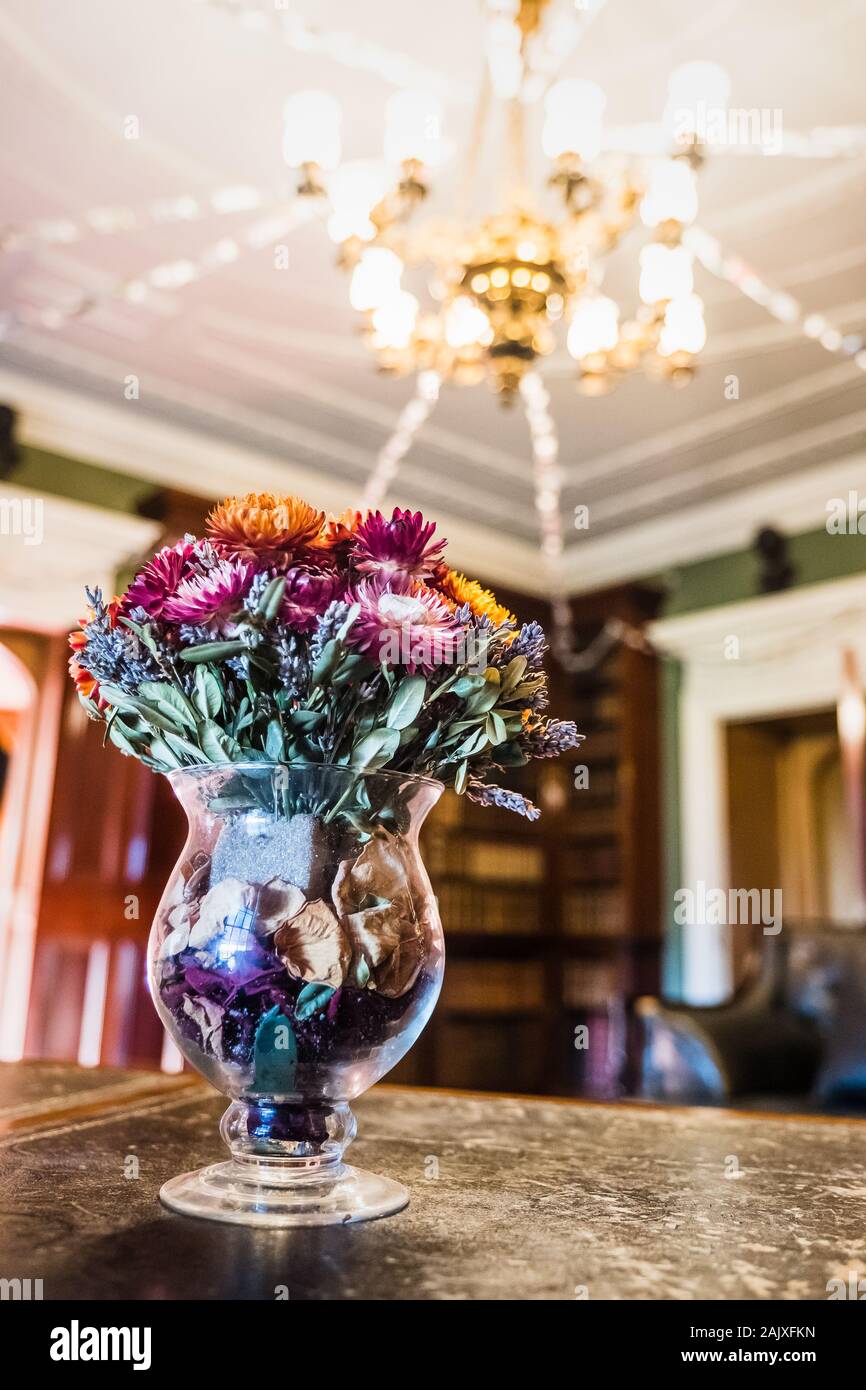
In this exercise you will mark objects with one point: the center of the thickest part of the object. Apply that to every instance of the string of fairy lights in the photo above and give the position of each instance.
(411, 419)
(778, 303)
(165, 275)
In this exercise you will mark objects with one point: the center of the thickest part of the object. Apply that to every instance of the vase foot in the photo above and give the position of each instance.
(328, 1197)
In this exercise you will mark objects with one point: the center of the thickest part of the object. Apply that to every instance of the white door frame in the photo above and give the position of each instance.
(773, 655)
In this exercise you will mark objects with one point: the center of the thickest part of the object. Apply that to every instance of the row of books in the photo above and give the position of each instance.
(595, 911)
(515, 987)
(470, 907)
(486, 861)
(493, 986)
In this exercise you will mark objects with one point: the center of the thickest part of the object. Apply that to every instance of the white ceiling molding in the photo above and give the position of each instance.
(52, 547)
(363, 408)
(794, 504)
(338, 446)
(743, 466)
(726, 421)
(770, 628)
(168, 455)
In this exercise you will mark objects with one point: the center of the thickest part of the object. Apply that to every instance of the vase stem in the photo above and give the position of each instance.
(294, 1137)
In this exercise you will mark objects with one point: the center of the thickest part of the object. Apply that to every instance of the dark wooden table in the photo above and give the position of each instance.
(511, 1198)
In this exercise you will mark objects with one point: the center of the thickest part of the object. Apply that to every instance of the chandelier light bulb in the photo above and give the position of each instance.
(311, 130)
(684, 329)
(694, 89)
(394, 321)
(413, 128)
(573, 119)
(466, 324)
(354, 190)
(672, 194)
(375, 279)
(665, 273)
(595, 326)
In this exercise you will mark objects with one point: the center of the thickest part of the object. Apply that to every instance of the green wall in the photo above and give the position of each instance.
(81, 482)
(815, 556)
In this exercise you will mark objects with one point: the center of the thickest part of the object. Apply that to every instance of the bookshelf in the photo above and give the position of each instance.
(553, 927)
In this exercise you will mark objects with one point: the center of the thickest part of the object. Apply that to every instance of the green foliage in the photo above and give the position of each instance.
(233, 701)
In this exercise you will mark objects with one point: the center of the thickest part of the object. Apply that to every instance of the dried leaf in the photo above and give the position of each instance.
(313, 946)
(379, 869)
(400, 971)
(312, 999)
(378, 931)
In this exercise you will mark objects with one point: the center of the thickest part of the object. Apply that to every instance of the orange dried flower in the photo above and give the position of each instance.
(264, 525)
(483, 602)
(338, 530)
(86, 684)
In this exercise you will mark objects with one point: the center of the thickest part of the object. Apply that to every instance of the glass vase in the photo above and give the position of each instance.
(295, 956)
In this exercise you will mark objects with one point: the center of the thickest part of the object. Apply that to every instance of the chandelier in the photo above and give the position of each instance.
(489, 297)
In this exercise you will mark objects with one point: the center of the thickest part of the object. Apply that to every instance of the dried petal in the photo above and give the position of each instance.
(247, 907)
(313, 946)
(379, 870)
(208, 1017)
(378, 931)
(230, 900)
(372, 896)
(175, 942)
(278, 902)
(341, 889)
(400, 970)
(197, 881)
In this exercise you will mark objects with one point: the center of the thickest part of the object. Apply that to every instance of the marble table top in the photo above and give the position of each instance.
(511, 1198)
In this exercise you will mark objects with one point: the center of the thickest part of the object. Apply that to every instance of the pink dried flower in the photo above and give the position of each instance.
(210, 595)
(153, 586)
(307, 594)
(404, 624)
(401, 546)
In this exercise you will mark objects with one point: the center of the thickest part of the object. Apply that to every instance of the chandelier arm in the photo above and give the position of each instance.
(171, 276)
(784, 307)
(410, 420)
(515, 171)
(469, 173)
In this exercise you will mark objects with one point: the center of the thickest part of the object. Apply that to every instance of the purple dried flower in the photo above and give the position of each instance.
(401, 546)
(531, 643)
(308, 595)
(550, 738)
(154, 585)
(485, 794)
